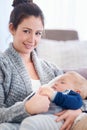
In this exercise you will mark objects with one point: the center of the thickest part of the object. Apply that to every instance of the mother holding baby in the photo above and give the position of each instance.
(22, 72)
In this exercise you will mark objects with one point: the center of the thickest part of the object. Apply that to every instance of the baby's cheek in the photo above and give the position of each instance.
(60, 89)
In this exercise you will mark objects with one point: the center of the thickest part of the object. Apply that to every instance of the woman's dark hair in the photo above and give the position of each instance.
(23, 9)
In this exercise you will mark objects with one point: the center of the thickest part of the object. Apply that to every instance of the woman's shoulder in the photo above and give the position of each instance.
(4, 60)
(51, 66)
(3, 56)
(45, 65)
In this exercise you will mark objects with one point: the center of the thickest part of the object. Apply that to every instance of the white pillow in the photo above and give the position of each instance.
(65, 54)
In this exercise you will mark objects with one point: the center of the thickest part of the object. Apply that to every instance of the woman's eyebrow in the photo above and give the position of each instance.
(32, 29)
(27, 28)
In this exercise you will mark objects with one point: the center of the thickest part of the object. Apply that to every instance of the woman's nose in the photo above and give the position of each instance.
(31, 38)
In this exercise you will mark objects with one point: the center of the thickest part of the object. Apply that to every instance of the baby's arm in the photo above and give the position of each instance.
(48, 91)
(71, 100)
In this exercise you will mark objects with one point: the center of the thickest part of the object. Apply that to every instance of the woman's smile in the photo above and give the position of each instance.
(28, 46)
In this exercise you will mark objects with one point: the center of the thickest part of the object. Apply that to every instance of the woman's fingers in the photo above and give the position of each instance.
(66, 125)
(37, 104)
(60, 113)
(68, 117)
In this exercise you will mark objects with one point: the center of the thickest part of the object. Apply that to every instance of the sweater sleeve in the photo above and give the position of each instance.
(72, 100)
(16, 112)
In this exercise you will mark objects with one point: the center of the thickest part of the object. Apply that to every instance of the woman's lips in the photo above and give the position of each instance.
(28, 46)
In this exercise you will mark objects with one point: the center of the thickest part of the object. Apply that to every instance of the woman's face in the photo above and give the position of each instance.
(27, 34)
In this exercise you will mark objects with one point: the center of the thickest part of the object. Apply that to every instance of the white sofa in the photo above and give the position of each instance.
(68, 55)
(65, 54)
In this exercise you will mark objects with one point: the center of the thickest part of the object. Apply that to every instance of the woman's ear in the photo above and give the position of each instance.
(11, 29)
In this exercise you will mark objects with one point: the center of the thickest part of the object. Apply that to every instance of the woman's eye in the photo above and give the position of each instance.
(26, 31)
(39, 33)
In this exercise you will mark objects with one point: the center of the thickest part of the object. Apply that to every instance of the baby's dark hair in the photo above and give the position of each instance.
(23, 9)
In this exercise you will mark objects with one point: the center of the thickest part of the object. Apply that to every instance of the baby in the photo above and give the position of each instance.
(67, 82)
(65, 92)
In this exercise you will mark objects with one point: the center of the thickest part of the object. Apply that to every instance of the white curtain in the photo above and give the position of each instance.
(5, 9)
(66, 14)
(58, 13)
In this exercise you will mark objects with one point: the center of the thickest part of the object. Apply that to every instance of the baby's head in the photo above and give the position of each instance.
(70, 80)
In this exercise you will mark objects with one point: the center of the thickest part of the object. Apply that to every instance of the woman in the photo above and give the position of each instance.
(21, 71)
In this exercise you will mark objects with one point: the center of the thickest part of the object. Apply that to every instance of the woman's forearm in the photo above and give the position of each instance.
(15, 113)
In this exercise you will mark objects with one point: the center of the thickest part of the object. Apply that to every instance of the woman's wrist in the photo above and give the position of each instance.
(27, 108)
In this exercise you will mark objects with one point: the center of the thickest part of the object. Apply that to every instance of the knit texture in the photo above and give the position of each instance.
(15, 84)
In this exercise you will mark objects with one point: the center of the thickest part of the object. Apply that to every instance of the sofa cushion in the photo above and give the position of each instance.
(65, 54)
(82, 71)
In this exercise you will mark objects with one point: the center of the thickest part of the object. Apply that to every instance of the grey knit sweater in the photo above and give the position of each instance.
(15, 84)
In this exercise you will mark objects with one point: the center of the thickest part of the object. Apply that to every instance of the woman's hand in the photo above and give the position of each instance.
(46, 91)
(68, 116)
(37, 104)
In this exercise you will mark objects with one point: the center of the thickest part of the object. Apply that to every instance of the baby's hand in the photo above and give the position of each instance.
(46, 91)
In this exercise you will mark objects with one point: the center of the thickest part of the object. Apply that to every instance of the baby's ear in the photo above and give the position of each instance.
(78, 91)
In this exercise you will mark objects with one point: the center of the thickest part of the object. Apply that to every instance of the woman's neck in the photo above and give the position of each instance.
(30, 66)
(26, 58)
